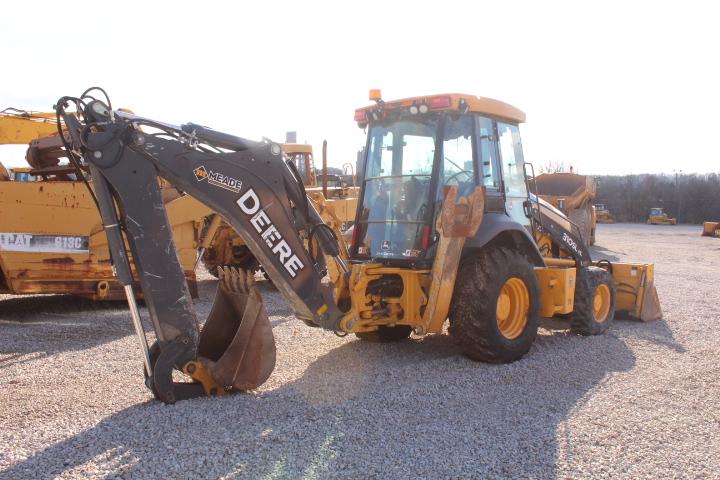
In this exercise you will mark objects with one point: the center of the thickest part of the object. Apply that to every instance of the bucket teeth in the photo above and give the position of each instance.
(237, 337)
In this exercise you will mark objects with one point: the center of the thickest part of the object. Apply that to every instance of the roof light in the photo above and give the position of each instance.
(375, 94)
(360, 116)
(439, 102)
(463, 106)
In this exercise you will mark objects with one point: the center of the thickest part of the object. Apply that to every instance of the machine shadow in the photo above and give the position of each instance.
(65, 322)
(346, 413)
(69, 323)
(602, 253)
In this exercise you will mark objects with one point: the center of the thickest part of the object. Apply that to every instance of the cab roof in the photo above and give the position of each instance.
(445, 102)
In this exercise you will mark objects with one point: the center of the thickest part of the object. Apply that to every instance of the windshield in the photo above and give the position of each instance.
(24, 177)
(397, 188)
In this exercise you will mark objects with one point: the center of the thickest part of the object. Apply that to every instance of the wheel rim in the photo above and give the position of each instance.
(601, 303)
(512, 308)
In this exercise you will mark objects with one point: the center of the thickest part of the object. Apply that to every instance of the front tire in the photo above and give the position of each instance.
(495, 309)
(595, 297)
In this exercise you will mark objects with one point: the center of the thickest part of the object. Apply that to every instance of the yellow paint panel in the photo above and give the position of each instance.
(557, 289)
(633, 282)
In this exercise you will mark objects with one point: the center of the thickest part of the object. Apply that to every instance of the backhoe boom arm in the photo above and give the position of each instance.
(246, 182)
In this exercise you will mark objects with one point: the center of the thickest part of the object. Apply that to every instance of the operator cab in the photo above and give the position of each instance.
(22, 174)
(417, 146)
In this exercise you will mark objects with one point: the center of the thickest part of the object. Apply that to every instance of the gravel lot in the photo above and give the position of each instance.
(642, 401)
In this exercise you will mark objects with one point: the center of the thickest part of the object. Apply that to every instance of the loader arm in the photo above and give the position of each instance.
(246, 182)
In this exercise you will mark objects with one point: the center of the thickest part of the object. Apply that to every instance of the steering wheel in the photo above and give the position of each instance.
(469, 173)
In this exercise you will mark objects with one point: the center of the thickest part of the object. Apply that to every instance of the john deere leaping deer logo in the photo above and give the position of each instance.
(217, 179)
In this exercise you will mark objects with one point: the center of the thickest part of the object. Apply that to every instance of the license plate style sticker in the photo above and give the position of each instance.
(29, 242)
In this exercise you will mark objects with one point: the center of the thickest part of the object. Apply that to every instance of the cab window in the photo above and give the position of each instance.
(457, 147)
(488, 154)
(512, 160)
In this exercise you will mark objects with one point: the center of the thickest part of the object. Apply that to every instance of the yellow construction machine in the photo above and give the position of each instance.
(573, 195)
(711, 229)
(445, 229)
(658, 217)
(602, 214)
(51, 236)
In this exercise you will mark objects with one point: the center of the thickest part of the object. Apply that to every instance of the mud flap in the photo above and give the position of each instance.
(237, 342)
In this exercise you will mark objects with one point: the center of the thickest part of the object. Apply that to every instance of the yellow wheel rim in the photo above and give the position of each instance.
(601, 303)
(512, 308)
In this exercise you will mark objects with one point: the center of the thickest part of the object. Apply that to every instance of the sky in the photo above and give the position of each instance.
(608, 87)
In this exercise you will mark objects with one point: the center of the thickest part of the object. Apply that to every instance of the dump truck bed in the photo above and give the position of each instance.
(573, 195)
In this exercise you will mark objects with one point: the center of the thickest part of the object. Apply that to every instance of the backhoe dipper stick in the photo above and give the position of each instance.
(118, 254)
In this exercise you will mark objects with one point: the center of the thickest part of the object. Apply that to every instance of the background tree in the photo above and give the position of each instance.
(691, 198)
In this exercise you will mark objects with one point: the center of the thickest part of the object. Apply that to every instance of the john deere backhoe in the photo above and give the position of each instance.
(444, 229)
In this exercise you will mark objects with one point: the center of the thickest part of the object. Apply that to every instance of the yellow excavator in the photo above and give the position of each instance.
(445, 229)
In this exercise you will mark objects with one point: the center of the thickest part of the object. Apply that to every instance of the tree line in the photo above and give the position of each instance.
(689, 198)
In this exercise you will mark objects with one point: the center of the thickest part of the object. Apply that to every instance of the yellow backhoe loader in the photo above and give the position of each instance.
(51, 237)
(658, 217)
(445, 229)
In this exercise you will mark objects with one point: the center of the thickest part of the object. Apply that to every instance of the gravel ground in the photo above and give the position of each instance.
(639, 402)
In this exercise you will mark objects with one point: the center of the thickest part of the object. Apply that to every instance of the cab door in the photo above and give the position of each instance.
(512, 161)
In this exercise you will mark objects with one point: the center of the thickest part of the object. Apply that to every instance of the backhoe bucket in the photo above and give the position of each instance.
(237, 342)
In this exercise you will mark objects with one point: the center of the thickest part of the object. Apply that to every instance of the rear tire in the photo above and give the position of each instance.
(386, 334)
(595, 297)
(495, 310)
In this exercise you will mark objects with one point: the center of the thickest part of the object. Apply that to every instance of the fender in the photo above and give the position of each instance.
(499, 229)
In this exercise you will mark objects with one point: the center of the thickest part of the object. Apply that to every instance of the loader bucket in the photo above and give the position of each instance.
(237, 342)
(636, 293)
(650, 304)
